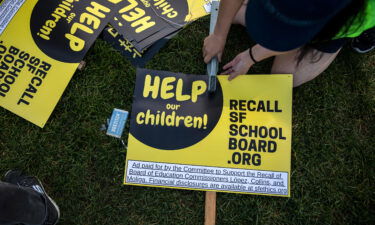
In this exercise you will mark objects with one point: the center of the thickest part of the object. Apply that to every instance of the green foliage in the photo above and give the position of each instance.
(333, 156)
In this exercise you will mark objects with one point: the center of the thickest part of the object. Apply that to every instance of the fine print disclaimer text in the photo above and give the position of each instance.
(209, 178)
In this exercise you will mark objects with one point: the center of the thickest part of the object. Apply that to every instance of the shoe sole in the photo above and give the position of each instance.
(365, 51)
(45, 193)
(7, 173)
(49, 198)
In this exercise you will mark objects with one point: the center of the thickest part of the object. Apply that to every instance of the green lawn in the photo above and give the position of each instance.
(333, 157)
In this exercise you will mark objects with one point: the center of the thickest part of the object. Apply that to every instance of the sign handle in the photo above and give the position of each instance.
(213, 65)
(81, 65)
(210, 208)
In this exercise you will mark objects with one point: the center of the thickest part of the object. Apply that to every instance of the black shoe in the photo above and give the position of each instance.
(18, 178)
(365, 42)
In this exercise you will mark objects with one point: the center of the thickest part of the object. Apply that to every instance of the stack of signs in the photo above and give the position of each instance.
(142, 27)
(127, 49)
(237, 140)
(41, 44)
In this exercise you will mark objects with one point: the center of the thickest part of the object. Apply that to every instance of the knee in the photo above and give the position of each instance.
(297, 81)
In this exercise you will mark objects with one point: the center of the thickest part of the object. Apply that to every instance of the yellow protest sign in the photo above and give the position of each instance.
(198, 9)
(41, 45)
(144, 22)
(237, 140)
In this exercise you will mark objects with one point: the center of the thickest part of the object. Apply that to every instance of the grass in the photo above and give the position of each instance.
(333, 156)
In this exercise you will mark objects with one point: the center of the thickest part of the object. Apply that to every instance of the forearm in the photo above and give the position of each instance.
(227, 11)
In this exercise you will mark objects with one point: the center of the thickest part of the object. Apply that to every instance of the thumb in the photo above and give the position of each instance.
(219, 56)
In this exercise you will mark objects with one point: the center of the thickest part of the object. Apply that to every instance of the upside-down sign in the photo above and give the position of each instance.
(237, 140)
(41, 44)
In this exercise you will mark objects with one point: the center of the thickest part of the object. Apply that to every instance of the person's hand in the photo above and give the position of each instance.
(213, 46)
(239, 65)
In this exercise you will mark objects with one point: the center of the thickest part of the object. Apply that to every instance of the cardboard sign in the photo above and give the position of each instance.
(41, 47)
(237, 140)
(144, 22)
(127, 49)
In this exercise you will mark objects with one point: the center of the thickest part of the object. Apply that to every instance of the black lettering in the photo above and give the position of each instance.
(242, 130)
(24, 56)
(242, 144)
(233, 129)
(253, 131)
(263, 132)
(256, 160)
(272, 146)
(242, 116)
(25, 94)
(9, 58)
(19, 63)
(31, 89)
(269, 108)
(262, 145)
(4, 88)
(9, 79)
(242, 105)
(246, 159)
(45, 66)
(4, 66)
(253, 146)
(249, 103)
(14, 71)
(261, 106)
(281, 137)
(41, 73)
(13, 50)
(34, 61)
(277, 107)
(236, 158)
(22, 101)
(273, 133)
(38, 83)
(232, 144)
(31, 68)
(233, 104)
(3, 49)
(233, 117)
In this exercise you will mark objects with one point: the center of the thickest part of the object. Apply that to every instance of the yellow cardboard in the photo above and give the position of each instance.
(151, 161)
(41, 48)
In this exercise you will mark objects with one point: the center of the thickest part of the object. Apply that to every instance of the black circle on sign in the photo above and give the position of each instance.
(172, 137)
(57, 47)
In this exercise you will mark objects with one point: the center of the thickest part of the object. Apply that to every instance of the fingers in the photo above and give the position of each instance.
(230, 64)
(211, 48)
(204, 48)
(207, 58)
(228, 71)
(233, 75)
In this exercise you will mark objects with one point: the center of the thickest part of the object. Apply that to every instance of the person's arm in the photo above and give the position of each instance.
(242, 62)
(214, 44)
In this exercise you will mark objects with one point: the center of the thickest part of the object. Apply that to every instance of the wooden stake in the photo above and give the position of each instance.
(81, 65)
(210, 208)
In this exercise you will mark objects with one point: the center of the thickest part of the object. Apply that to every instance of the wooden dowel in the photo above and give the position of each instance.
(210, 208)
(81, 65)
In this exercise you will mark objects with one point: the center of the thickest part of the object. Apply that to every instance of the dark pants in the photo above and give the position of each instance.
(19, 205)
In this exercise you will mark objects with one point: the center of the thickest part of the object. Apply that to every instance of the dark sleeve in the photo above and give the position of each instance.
(283, 25)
